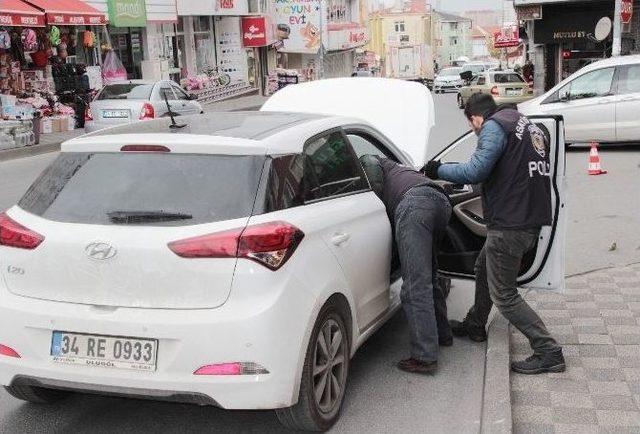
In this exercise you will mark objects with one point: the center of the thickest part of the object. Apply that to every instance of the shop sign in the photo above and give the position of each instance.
(58, 19)
(508, 37)
(346, 38)
(21, 20)
(574, 26)
(626, 13)
(213, 7)
(127, 13)
(529, 12)
(254, 32)
(298, 25)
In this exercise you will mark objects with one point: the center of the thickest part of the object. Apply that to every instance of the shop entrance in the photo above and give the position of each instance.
(127, 44)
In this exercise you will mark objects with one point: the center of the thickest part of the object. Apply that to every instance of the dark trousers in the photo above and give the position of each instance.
(421, 219)
(497, 270)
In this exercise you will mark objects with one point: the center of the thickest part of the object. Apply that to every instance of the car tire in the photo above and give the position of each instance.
(36, 395)
(311, 413)
(460, 102)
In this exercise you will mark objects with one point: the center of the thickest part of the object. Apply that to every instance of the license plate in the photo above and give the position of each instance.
(514, 92)
(104, 351)
(115, 113)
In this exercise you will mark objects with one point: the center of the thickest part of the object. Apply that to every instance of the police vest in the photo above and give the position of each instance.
(517, 194)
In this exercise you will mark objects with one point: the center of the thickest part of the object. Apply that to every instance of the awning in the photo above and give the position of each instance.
(69, 12)
(17, 13)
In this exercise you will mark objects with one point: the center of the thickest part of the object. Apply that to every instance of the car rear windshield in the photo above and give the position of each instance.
(189, 189)
(126, 91)
(507, 78)
(450, 71)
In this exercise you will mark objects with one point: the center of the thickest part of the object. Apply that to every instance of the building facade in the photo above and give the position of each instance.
(560, 36)
(320, 37)
(451, 37)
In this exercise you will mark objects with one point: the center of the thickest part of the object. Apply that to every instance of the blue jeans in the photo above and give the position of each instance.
(421, 219)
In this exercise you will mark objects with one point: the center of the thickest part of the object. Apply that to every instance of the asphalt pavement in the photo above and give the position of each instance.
(603, 210)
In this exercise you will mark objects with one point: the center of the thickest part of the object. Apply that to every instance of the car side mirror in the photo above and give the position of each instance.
(563, 96)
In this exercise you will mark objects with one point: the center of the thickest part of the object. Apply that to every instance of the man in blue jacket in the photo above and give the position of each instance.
(512, 164)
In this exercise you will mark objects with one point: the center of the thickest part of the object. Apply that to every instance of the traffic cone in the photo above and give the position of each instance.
(594, 161)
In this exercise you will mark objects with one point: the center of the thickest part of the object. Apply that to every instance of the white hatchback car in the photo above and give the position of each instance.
(599, 103)
(239, 261)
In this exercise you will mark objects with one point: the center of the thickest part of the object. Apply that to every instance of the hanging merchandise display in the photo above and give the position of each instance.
(29, 40)
(54, 35)
(112, 68)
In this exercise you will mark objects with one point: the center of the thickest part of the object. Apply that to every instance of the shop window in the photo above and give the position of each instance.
(399, 26)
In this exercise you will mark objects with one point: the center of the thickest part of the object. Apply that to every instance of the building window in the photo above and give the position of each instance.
(453, 26)
(453, 40)
(338, 11)
(205, 47)
(399, 26)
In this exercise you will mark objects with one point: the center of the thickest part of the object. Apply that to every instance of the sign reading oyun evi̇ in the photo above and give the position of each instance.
(298, 23)
(127, 13)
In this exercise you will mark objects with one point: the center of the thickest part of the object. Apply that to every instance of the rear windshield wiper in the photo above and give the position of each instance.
(132, 217)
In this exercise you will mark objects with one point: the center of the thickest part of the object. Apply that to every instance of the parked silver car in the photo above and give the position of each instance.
(137, 100)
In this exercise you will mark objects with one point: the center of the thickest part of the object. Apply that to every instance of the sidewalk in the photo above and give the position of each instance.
(598, 323)
(51, 142)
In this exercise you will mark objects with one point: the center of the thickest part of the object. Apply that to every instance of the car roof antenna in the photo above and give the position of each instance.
(174, 125)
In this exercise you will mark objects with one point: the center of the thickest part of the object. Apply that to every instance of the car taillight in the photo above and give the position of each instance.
(13, 234)
(235, 368)
(494, 91)
(269, 244)
(148, 112)
(8, 352)
(88, 116)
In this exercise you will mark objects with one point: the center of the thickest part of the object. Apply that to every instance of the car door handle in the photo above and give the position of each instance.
(339, 239)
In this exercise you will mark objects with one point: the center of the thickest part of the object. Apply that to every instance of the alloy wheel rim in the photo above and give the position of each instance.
(329, 366)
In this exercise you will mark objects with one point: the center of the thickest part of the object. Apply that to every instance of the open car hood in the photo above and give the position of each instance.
(401, 110)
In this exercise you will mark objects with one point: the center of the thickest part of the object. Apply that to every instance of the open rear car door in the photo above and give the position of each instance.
(543, 267)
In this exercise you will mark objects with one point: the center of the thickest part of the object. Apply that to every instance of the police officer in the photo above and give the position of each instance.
(419, 211)
(512, 163)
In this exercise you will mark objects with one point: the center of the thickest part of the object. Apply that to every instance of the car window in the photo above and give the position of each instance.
(363, 144)
(629, 79)
(482, 80)
(590, 85)
(126, 91)
(507, 78)
(331, 168)
(165, 90)
(181, 94)
(474, 81)
(285, 183)
(87, 187)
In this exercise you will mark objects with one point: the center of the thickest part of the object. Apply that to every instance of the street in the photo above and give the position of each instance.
(604, 214)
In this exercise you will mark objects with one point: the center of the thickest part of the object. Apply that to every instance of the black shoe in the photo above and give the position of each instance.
(541, 363)
(445, 342)
(416, 366)
(462, 329)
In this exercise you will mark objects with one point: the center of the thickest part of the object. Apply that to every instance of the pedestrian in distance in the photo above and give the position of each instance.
(512, 163)
(419, 211)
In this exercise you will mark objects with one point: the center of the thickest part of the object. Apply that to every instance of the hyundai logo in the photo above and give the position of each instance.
(100, 251)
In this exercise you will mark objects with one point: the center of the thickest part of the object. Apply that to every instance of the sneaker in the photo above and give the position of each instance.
(416, 366)
(463, 329)
(541, 363)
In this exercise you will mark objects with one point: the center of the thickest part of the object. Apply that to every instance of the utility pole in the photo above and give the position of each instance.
(616, 49)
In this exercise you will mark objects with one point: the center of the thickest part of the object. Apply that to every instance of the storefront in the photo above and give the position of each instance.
(562, 38)
(127, 20)
(48, 66)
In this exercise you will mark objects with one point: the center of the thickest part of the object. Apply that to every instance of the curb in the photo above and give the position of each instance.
(28, 151)
(496, 398)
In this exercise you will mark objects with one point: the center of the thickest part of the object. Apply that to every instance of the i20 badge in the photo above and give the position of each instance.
(100, 251)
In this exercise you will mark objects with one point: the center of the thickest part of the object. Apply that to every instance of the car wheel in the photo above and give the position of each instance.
(460, 102)
(324, 375)
(36, 395)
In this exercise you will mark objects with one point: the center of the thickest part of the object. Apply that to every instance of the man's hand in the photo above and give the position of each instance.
(431, 169)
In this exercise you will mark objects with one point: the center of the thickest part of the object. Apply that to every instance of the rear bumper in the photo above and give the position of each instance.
(268, 329)
(91, 126)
